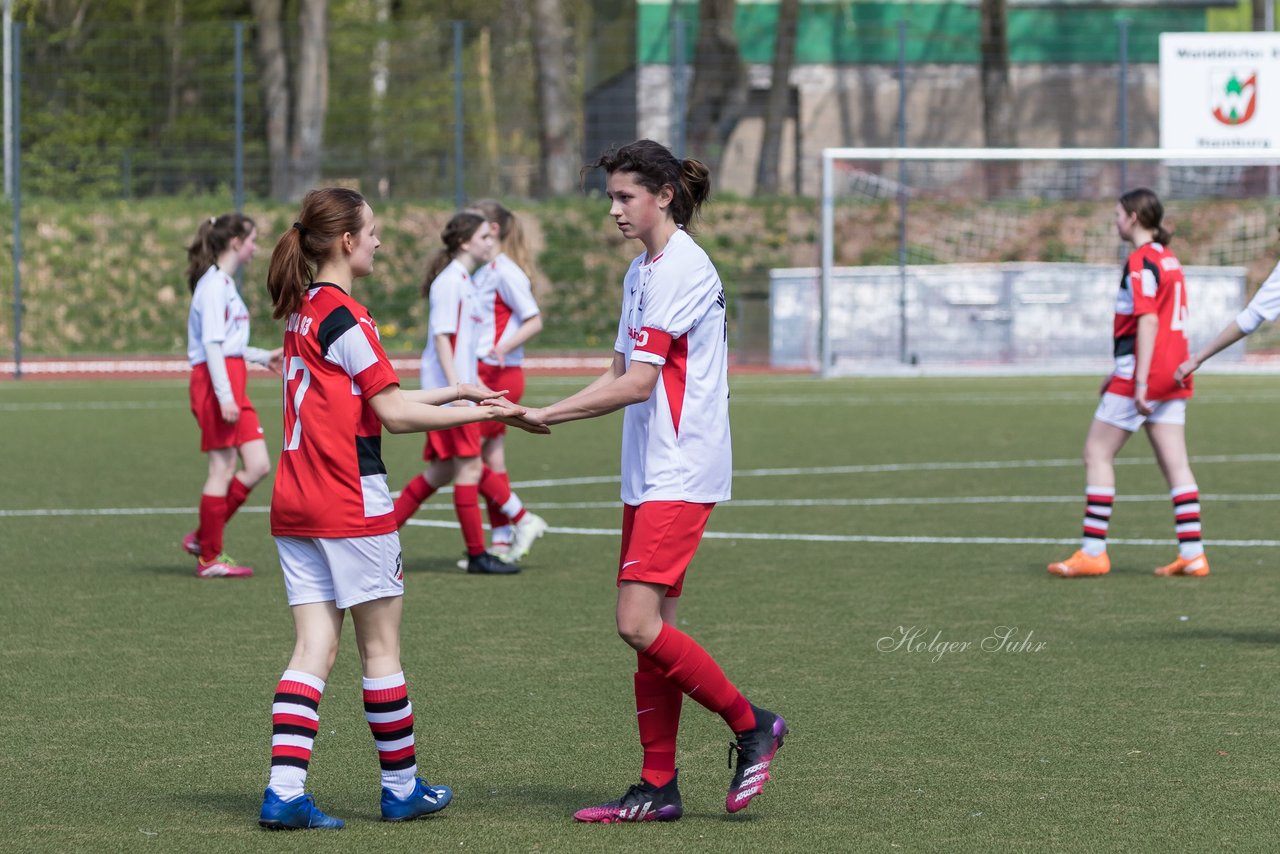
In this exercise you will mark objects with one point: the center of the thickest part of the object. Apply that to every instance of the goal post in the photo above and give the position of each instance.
(1007, 259)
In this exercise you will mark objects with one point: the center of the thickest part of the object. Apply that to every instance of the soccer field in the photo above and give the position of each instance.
(879, 579)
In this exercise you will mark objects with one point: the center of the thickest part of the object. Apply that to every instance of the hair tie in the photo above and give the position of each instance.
(301, 228)
(213, 220)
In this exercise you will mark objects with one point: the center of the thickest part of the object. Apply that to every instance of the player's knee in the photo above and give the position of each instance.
(638, 634)
(256, 470)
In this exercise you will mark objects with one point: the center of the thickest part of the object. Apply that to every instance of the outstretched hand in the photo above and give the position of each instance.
(515, 416)
(275, 360)
(477, 393)
(1185, 370)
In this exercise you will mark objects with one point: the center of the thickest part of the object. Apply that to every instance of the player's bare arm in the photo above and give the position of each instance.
(1148, 325)
(601, 398)
(472, 392)
(401, 415)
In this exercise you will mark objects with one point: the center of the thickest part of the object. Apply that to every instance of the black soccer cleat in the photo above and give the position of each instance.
(755, 749)
(642, 802)
(487, 564)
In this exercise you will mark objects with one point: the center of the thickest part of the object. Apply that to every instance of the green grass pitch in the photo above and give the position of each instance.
(1122, 713)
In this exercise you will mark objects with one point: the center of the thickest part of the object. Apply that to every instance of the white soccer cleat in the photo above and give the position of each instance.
(530, 527)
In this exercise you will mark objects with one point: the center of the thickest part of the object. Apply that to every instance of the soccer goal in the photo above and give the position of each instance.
(990, 260)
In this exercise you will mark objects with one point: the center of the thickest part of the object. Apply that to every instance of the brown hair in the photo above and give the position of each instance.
(655, 167)
(212, 239)
(326, 215)
(1146, 204)
(457, 231)
(510, 234)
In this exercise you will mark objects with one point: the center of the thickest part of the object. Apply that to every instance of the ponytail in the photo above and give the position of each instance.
(326, 215)
(1150, 213)
(457, 231)
(511, 240)
(655, 167)
(212, 239)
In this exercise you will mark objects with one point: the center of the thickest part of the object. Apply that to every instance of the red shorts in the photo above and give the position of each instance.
(461, 441)
(215, 432)
(659, 539)
(509, 378)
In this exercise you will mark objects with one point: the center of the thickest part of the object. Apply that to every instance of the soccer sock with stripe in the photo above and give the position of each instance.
(658, 702)
(693, 669)
(213, 518)
(390, 716)
(295, 720)
(237, 492)
(504, 505)
(1098, 501)
(410, 499)
(466, 503)
(1186, 520)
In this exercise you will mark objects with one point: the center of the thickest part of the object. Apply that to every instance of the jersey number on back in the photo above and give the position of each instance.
(293, 403)
(1178, 320)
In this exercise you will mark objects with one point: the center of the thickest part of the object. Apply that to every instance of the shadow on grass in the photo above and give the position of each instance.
(438, 565)
(245, 805)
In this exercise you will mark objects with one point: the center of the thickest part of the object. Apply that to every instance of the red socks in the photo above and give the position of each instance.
(466, 503)
(658, 702)
(692, 668)
(237, 492)
(213, 518)
(495, 486)
(411, 497)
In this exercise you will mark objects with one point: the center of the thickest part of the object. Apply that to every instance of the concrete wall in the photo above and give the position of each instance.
(1058, 106)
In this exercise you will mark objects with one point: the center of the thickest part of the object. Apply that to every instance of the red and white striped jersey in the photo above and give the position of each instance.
(676, 444)
(505, 301)
(218, 316)
(453, 309)
(331, 481)
(1152, 283)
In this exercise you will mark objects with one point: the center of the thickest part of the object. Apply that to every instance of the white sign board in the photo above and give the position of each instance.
(1220, 91)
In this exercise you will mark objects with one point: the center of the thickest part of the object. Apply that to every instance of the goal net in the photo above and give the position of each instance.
(989, 260)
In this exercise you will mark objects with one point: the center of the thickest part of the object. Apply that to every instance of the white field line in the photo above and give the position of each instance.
(757, 535)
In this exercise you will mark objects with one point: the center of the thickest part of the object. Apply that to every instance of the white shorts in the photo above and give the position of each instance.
(1120, 411)
(345, 572)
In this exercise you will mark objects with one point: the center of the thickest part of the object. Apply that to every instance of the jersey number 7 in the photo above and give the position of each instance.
(293, 403)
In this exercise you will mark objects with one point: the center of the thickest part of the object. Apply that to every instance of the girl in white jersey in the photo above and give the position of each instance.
(453, 323)
(510, 317)
(218, 347)
(670, 373)
(1263, 308)
(331, 509)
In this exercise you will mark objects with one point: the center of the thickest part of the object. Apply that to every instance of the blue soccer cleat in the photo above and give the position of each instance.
(301, 813)
(425, 800)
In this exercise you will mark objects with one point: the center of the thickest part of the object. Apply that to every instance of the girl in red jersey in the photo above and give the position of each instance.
(1150, 344)
(510, 317)
(218, 347)
(454, 318)
(331, 509)
(670, 375)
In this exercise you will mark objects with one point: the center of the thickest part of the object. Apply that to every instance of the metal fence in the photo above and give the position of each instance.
(434, 112)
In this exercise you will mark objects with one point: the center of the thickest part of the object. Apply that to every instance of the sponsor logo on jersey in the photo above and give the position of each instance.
(640, 336)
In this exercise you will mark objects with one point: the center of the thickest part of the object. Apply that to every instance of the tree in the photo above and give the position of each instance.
(294, 149)
(718, 91)
(775, 116)
(1258, 16)
(557, 147)
(997, 102)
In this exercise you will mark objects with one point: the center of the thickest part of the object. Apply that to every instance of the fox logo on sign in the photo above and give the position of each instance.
(1235, 96)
